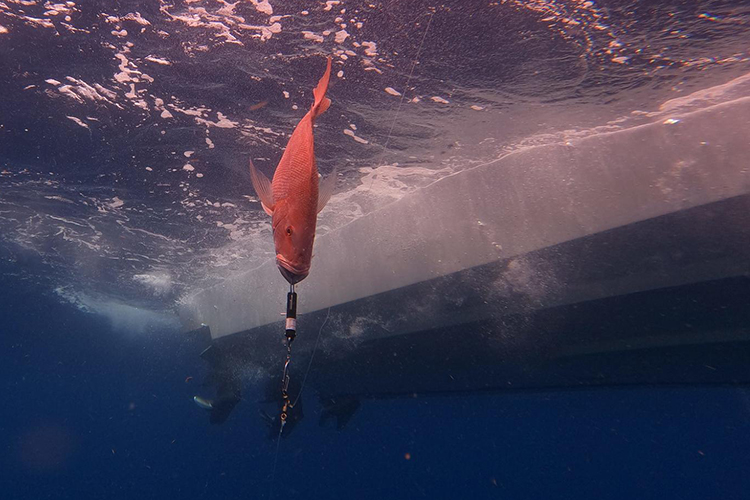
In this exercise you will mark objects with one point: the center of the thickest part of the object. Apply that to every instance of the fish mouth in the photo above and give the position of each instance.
(291, 273)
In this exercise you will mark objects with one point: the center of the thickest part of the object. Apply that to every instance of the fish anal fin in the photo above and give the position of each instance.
(262, 187)
(325, 190)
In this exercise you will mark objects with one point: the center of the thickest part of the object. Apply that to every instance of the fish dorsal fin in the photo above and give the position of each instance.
(325, 190)
(262, 186)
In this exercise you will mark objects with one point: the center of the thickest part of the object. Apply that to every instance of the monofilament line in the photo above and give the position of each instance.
(275, 461)
(304, 379)
(403, 94)
(309, 365)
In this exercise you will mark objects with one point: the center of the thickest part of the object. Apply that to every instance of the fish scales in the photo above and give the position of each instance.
(295, 196)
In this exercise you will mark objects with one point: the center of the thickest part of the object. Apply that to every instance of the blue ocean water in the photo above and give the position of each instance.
(125, 130)
(90, 413)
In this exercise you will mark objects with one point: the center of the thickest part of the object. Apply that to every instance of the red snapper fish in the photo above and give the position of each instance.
(294, 198)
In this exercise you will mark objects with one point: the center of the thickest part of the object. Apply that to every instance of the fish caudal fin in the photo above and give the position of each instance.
(321, 101)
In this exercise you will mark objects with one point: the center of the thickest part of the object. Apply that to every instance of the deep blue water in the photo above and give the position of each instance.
(92, 413)
(124, 138)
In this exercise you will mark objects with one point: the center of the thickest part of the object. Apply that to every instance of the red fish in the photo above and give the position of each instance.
(294, 198)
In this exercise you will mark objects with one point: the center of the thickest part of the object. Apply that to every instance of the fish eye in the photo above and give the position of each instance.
(289, 230)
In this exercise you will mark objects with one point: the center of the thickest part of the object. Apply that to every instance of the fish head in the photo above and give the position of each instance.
(293, 239)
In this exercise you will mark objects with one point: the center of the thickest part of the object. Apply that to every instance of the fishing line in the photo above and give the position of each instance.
(281, 426)
(275, 461)
(315, 349)
(403, 94)
(385, 150)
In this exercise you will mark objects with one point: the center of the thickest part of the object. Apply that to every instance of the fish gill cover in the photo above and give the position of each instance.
(126, 128)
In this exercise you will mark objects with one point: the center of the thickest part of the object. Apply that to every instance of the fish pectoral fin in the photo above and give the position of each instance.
(325, 190)
(267, 210)
(262, 186)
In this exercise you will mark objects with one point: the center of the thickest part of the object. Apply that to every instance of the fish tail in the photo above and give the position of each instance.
(321, 101)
